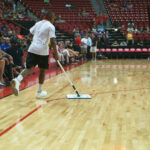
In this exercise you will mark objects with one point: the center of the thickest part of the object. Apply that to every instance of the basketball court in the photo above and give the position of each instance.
(116, 118)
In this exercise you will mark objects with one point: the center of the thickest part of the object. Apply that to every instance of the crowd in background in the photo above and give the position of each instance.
(12, 47)
(12, 9)
(86, 44)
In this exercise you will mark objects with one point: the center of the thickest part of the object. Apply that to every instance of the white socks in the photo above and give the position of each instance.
(20, 78)
(40, 88)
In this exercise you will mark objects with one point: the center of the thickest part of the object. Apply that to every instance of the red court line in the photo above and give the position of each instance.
(48, 101)
(28, 115)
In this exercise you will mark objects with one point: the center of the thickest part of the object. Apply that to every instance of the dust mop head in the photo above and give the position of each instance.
(82, 96)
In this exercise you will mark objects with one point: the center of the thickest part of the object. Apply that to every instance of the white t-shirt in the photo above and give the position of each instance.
(84, 42)
(42, 31)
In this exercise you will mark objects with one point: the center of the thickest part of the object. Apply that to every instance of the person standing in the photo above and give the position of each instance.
(84, 46)
(89, 44)
(94, 47)
(38, 53)
(105, 19)
(77, 43)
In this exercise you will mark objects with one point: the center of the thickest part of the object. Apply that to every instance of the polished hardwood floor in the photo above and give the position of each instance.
(116, 118)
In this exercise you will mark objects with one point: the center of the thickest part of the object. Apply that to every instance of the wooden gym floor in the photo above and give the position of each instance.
(116, 118)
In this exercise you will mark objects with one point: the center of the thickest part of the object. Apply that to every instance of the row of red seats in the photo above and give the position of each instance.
(137, 14)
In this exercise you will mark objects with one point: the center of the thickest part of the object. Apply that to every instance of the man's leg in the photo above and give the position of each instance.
(41, 79)
(40, 92)
(30, 63)
(16, 82)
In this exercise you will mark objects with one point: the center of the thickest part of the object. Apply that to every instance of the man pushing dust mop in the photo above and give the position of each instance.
(38, 53)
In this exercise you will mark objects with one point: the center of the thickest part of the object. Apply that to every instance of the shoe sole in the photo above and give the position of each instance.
(14, 90)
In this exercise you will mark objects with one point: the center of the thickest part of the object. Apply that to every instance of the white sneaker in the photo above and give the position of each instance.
(15, 86)
(42, 94)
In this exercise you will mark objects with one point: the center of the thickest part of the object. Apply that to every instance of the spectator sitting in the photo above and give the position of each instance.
(82, 34)
(60, 20)
(130, 6)
(75, 32)
(68, 6)
(16, 52)
(116, 25)
(5, 45)
(20, 15)
(130, 29)
(123, 43)
(124, 5)
(94, 30)
(60, 54)
(3, 28)
(6, 62)
(114, 5)
(100, 29)
(15, 16)
(143, 30)
(131, 24)
(115, 44)
(73, 54)
(43, 11)
(64, 52)
(140, 43)
(68, 44)
(84, 13)
(136, 30)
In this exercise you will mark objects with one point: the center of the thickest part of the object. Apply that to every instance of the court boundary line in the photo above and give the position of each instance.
(48, 101)
(28, 115)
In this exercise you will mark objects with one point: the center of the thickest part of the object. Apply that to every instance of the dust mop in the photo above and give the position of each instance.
(77, 95)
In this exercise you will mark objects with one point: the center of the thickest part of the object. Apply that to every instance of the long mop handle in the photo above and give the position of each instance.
(68, 78)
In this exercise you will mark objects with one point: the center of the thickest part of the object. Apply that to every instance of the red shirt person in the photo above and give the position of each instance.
(105, 19)
(78, 44)
(78, 41)
(98, 19)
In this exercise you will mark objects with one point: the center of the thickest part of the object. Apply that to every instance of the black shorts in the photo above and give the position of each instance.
(34, 59)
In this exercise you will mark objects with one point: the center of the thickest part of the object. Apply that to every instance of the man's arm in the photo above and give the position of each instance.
(53, 44)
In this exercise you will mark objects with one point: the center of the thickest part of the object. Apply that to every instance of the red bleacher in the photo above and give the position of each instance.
(138, 14)
(9, 25)
(71, 17)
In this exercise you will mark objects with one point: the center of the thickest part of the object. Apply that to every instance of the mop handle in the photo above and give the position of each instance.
(68, 78)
